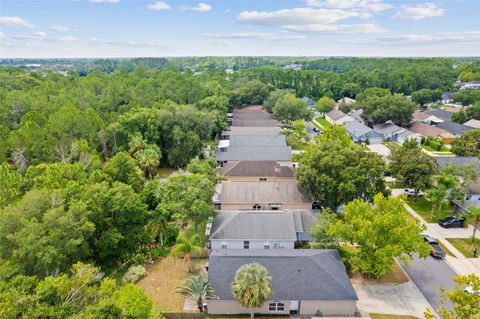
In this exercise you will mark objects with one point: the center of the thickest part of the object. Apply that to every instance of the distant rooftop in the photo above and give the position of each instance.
(256, 168)
(256, 130)
(258, 140)
(263, 192)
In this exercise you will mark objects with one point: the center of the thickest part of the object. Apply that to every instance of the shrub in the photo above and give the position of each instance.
(435, 145)
(134, 274)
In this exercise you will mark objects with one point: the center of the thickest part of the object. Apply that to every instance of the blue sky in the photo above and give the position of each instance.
(129, 28)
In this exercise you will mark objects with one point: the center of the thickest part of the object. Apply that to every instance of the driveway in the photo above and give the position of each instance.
(310, 131)
(429, 275)
(454, 232)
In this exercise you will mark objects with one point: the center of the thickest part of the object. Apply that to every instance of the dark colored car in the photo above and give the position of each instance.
(315, 129)
(452, 222)
(437, 251)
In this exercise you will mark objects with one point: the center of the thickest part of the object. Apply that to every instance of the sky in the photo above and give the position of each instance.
(137, 28)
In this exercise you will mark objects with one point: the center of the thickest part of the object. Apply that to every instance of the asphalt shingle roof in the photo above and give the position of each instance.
(336, 114)
(255, 154)
(255, 130)
(441, 114)
(357, 129)
(297, 274)
(262, 192)
(254, 122)
(256, 168)
(454, 128)
(258, 141)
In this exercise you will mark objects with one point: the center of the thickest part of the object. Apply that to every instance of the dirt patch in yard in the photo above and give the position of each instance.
(395, 275)
(162, 280)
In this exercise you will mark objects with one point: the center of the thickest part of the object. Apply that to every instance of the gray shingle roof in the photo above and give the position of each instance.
(357, 129)
(254, 122)
(336, 114)
(255, 154)
(256, 130)
(457, 160)
(297, 274)
(388, 129)
(454, 128)
(263, 192)
(258, 140)
(441, 114)
(258, 225)
(256, 168)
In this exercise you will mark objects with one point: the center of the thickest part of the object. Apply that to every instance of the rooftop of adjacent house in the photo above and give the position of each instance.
(388, 129)
(420, 116)
(252, 109)
(276, 153)
(346, 100)
(447, 95)
(261, 225)
(465, 204)
(407, 134)
(357, 114)
(311, 103)
(253, 116)
(255, 130)
(356, 128)
(474, 187)
(454, 128)
(297, 274)
(263, 192)
(256, 168)
(473, 123)
(254, 122)
(426, 130)
(258, 140)
(336, 114)
(441, 114)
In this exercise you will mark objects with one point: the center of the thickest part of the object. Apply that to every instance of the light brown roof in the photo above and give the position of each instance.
(420, 116)
(473, 123)
(249, 109)
(255, 130)
(262, 192)
(256, 168)
(426, 130)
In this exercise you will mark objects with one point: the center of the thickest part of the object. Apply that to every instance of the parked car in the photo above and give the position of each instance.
(470, 290)
(452, 222)
(437, 251)
(410, 192)
(315, 129)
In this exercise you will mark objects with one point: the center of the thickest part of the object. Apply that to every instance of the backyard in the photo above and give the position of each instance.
(464, 245)
(423, 207)
(322, 121)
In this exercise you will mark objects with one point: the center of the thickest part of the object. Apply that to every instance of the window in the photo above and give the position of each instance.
(263, 179)
(257, 207)
(276, 306)
(224, 245)
(266, 245)
(246, 244)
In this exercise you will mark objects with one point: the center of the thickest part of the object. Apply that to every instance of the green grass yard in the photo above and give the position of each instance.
(443, 149)
(423, 207)
(322, 121)
(464, 245)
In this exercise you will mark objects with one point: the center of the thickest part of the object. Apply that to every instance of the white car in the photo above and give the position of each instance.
(469, 290)
(410, 192)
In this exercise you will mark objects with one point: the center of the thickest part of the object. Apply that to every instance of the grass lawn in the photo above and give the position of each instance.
(163, 278)
(464, 245)
(323, 122)
(430, 149)
(423, 207)
(445, 249)
(394, 276)
(384, 316)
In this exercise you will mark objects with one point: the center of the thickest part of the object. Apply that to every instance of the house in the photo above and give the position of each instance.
(310, 103)
(346, 100)
(392, 132)
(357, 115)
(262, 195)
(454, 128)
(256, 130)
(431, 131)
(257, 171)
(472, 193)
(279, 154)
(447, 97)
(362, 133)
(426, 118)
(336, 116)
(473, 85)
(294, 67)
(472, 123)
(257, 141)
(441, 114)
(259, 229)
(304, 282)
(253, 122)
(253, 112)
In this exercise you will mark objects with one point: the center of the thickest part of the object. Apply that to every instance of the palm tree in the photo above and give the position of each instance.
(149, 159)
(436, 196)
(472, 216)
(252, 286)
(186, 246)
(197, 288)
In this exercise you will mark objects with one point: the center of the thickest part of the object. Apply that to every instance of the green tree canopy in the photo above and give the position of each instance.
(325, 104)
(468, 144)
(290, 108)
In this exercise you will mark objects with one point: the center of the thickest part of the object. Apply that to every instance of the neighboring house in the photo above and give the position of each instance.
(263, 196)
(256, 130)
(279, 154)
(346, 100)
(336, 116)
(441, 114)
(357, 115)
(362, 133)
(304, 282)
(294, 67)
(447, 97)
(257, 171)
(432, 131)
(392, 132)
(454, 128)
(259, 229)
(253, 122)
(472, 193)
(311, 103)
(472, 123)
(426, 118)
(258, 141)
(474, 85)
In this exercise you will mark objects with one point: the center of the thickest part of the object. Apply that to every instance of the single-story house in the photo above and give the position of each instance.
(454, 128)
(254, 122)
(336, 116)
(441, 114)
(259, 229)
(472, 193)
(426, 118)
(263, 195)
(281, 154)
(362, 133)
(392, 132)
(304, 282)
(255, 130)
(346, 100)
(407, 135)
(432, 131)
(257, 171)
(447, 97)
(357, 115)
(277, 140)
(472, 123)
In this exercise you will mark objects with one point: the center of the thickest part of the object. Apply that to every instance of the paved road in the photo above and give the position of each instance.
(429, 275)
(310, 127)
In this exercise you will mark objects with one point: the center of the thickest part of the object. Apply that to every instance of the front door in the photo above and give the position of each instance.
(294, 307)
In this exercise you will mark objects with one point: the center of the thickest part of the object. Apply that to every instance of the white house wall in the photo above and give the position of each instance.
(254, 244)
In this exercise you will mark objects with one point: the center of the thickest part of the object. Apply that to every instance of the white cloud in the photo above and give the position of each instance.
(365, 7)
(64, 39)
(471, 37)
(158, 5)
(39, 35)
(104, 1)
(319, 20)
(59, 28)
(202, 7)
(254, 35)
(15, 21)
(422, 11)
(2, 35)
